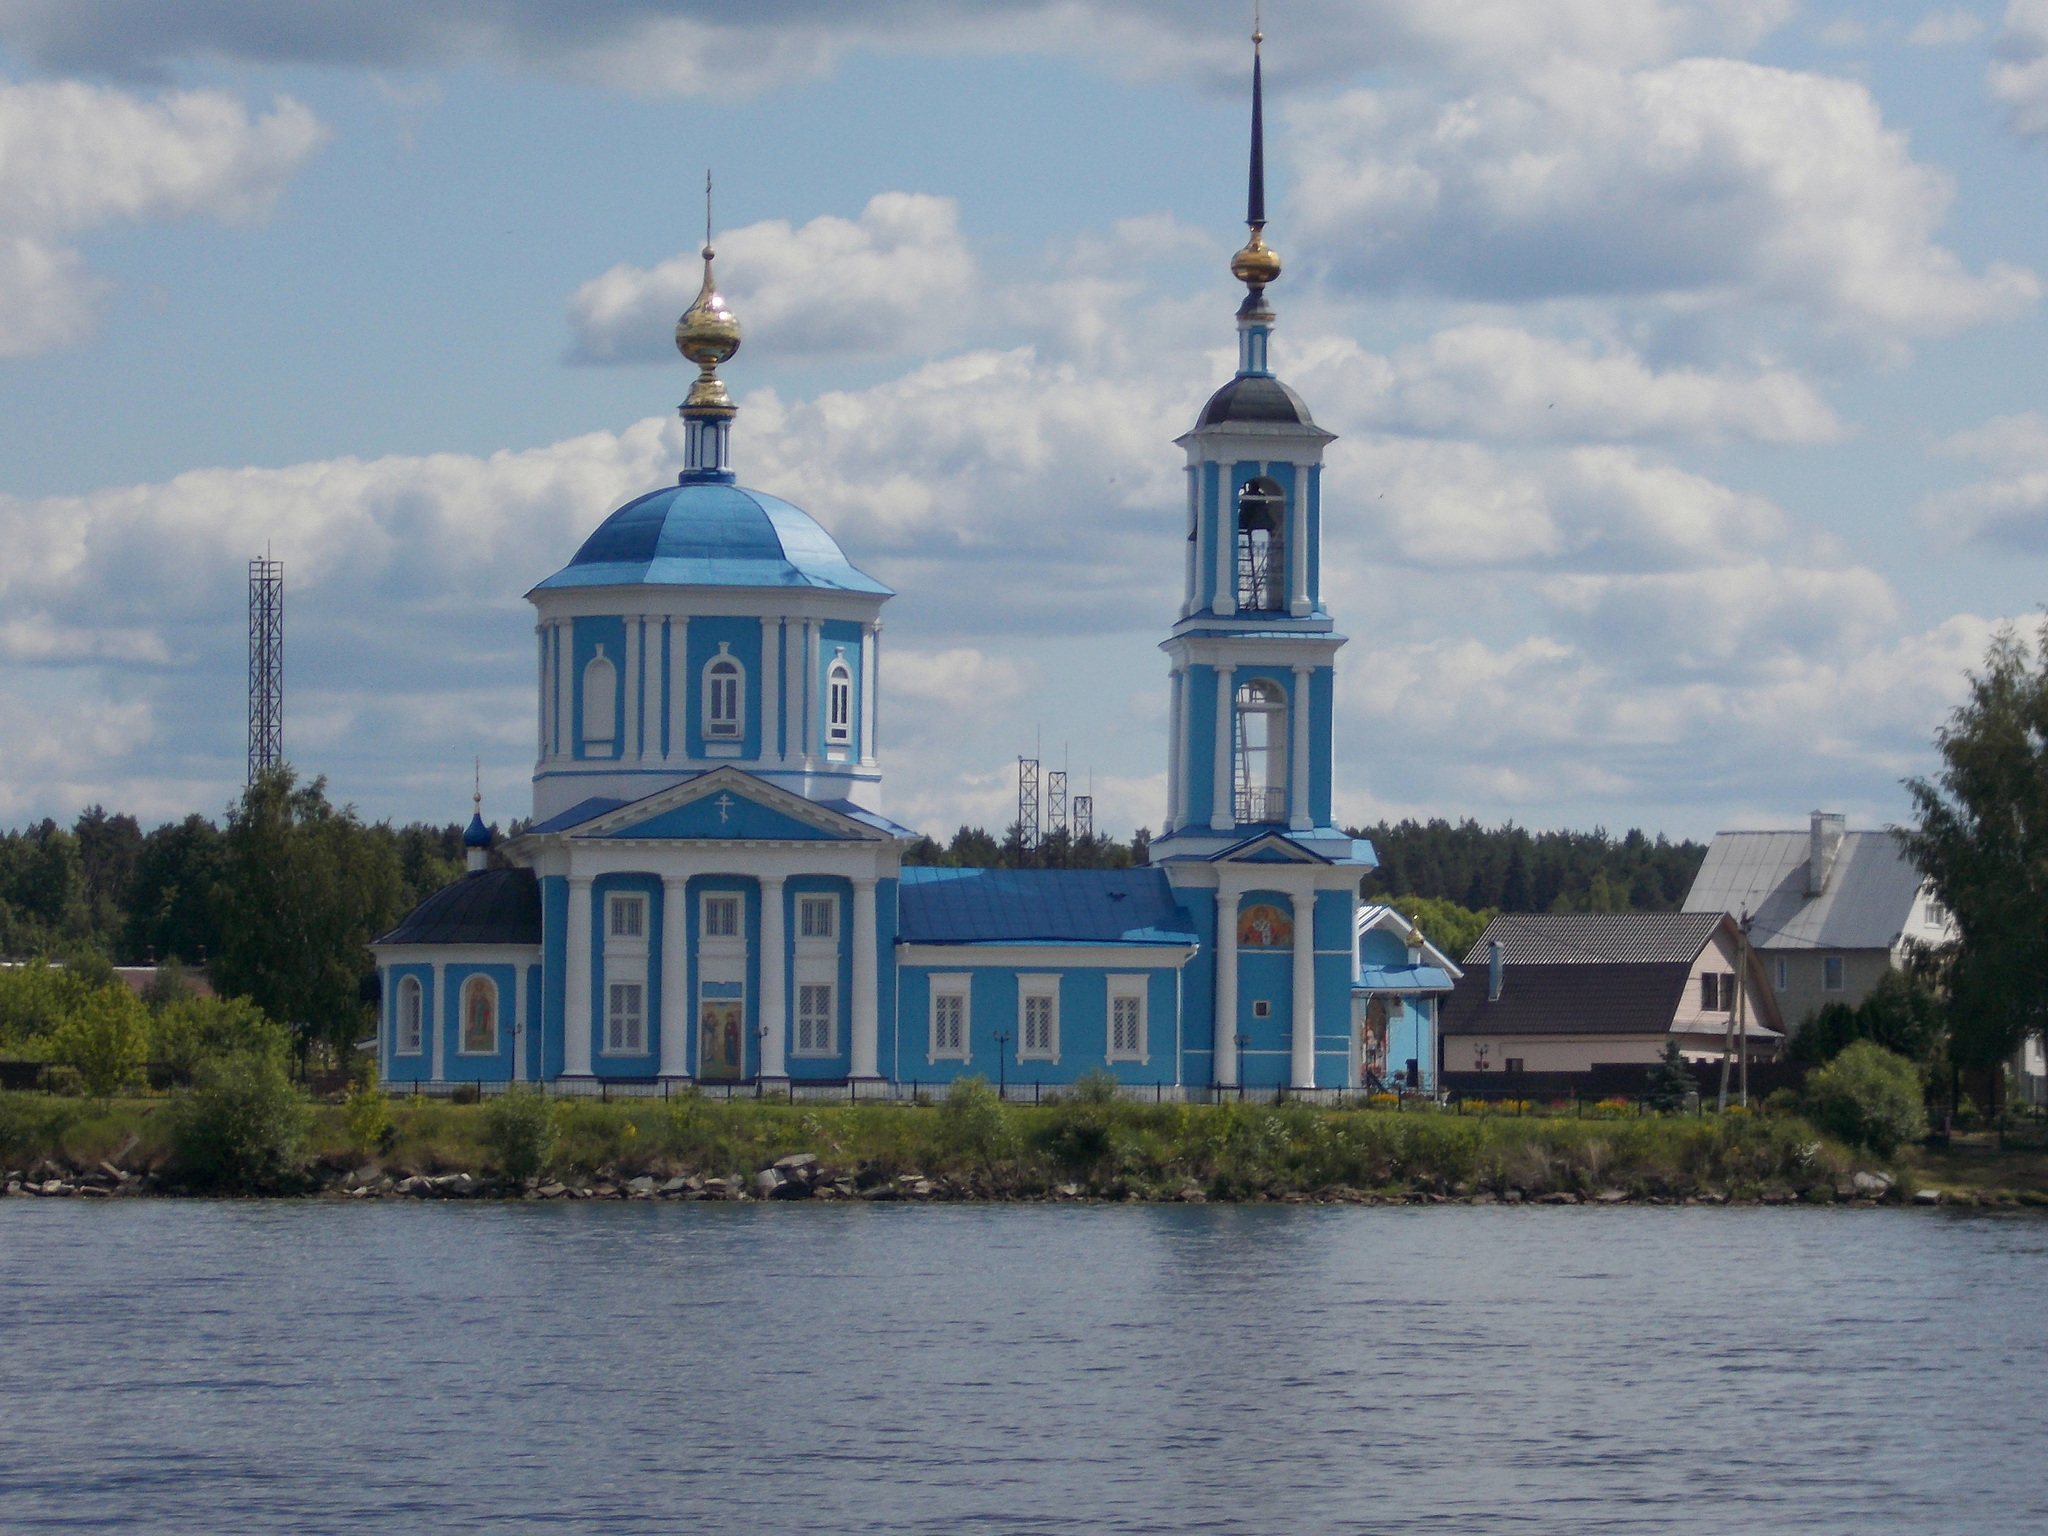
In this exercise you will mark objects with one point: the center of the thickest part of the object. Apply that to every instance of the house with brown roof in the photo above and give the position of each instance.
(1572, 992)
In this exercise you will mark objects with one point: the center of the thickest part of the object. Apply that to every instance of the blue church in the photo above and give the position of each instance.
(710, 893)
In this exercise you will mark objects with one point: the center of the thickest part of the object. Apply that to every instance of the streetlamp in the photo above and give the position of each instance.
(1002, 1064)
(1242, 1042)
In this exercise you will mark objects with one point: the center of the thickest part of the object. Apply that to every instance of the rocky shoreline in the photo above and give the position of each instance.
(801, 1176)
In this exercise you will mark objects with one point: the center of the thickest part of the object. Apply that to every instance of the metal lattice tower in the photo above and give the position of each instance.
(1027, 803)
(1056, 800)
(266, 665)
(1084, 818)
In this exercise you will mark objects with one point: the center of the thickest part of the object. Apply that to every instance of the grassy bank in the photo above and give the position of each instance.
(971, 1146)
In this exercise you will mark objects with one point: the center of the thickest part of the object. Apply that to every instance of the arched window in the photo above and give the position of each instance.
(479, 1017)
(600, 704)
(839, 704)
(1262, 547)
(411, 1034)
(1261, 751)
(725, 696)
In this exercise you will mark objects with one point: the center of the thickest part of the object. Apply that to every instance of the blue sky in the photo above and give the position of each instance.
(1688, 362)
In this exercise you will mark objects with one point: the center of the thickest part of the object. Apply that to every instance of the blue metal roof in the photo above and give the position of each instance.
(706, 533)
(1040, 906)
(577, 814)
(1403, 978)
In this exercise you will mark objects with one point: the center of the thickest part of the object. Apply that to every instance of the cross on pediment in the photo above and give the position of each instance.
(724, 804)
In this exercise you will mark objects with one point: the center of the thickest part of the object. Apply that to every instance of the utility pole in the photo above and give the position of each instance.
(266, 665)
(1742, 1001)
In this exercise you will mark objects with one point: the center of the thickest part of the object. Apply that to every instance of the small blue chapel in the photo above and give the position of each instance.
(710, 893)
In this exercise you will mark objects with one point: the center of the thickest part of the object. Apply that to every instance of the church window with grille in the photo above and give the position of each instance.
(626, 1023)
(949, 1018)
(1262, 547)
(1038, 1023)
(411, 1035)
(1261, 751)
(814, 1031)
(839, 704)
(724, 700)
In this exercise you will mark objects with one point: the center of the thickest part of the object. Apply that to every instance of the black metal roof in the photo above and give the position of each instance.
(1623, 998)
(1255, 397)
(492, 906)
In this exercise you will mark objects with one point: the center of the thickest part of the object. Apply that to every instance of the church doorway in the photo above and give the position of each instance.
(719, 1041)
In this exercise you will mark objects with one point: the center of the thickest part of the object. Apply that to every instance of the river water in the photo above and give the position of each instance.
(600, 1367)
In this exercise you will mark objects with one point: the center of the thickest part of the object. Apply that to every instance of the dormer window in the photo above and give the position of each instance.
(724, 698)
(839, 704)
(1261, 547)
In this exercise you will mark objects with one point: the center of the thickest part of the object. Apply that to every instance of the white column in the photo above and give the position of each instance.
(871, 640)
(545, 693)
(439, 1020)
(1297, 755)
(576, 1002)
(675, 976)
(565, 698)
(1174, 705)
(1226, 1073)
(810, 683)
(1303, 1038)
(629, 747)
(1297, 545)
(774, 998)
(1223, 804)
(1193, 558)
(771, 686)
(1226, 543)
(866, 1004)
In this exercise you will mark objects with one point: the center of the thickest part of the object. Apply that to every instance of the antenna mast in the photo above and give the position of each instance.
(266, 664)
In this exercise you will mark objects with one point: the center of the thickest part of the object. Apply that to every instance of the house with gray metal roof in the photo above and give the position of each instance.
(1829, 910)
(1571, 992)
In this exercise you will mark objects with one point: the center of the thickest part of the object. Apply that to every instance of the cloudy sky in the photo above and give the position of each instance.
(1689, 361)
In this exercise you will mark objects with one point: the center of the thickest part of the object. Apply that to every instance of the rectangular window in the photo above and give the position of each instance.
(1784, 978)
(1937, 914)
(1262, 1009)
(839, 705)
(814, 1031)
(626, 1024)
(410, 1033)
(1038, 1018)
(1514, 1064)
(721, 917)
(629, 917)
(949, 1019)
(1127, 1018)
(817, 917)
(1831, 973)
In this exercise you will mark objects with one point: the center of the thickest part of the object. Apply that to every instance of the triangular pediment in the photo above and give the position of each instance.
(728, 805)
(1267, 848)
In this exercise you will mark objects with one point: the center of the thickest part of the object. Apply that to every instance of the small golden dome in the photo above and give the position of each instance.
(707, 334)
(1257, 264)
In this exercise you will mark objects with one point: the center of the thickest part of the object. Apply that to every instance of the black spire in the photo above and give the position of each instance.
(1255, 202)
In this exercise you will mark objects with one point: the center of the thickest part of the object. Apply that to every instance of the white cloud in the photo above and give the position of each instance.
(74, 157)
(702, 47)
(2018, 72)
(1707, 181)
(897, 279)
(2008, 510)
(1941, 29)
(1485, 379)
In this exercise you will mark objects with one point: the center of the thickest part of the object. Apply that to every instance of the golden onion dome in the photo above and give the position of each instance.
(1257, 264)
(708, 333)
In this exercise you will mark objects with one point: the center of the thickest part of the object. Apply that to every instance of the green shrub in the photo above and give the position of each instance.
(105, 1039)
(520, 1130)
(973, 1126)
(1868, 1097)
(193, 1030)
(366, 1114)
(240, 1126)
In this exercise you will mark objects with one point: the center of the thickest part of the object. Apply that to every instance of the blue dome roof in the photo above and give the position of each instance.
(478, 835)
(709, 533)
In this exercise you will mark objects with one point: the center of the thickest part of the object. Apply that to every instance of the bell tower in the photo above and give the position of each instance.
(1254, 650)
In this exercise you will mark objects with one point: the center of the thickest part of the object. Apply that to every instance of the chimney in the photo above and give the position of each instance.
(1823, 843)
(1493, 970)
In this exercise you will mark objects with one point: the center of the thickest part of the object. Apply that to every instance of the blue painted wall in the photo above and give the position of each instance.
(749, 892)
(409, 1069)
(836, 1066)
(1266, 975)
(554, 959)
(1201, 743)
(994, 1008)
(603, 1063)
(495, 1067)
(1335, 971)
(836, 636)
(1198, 992)
(1322, 699)
(530, 1015)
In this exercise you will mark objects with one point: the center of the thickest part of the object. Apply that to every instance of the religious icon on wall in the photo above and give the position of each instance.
(1264, 927)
